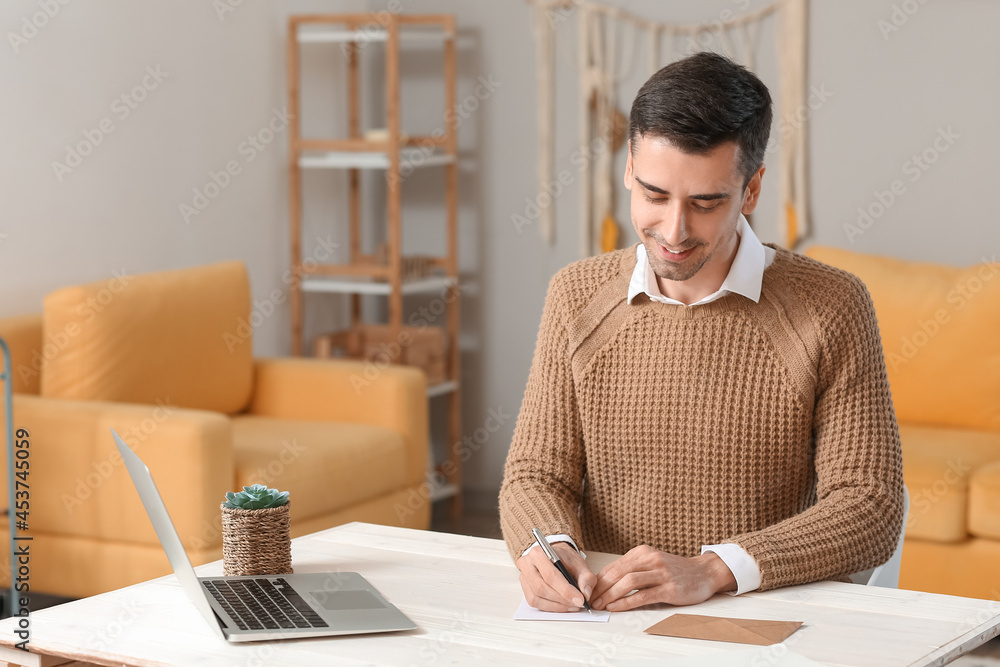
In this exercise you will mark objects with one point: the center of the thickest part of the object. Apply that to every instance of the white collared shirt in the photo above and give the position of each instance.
(745, 277)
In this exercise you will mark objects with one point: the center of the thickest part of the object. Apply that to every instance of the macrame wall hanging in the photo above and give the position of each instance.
(602, 126)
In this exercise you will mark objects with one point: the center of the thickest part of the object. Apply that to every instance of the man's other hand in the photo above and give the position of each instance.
(544, 586)
(657, 576)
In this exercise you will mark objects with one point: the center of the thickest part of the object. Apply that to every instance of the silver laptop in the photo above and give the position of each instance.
(290, 606)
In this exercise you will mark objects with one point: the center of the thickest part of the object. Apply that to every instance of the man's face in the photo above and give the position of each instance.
(685, 207)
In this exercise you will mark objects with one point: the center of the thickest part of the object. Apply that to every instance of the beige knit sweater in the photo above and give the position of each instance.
(769, 425)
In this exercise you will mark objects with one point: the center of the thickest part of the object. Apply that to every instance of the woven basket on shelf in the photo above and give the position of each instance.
(256, 541)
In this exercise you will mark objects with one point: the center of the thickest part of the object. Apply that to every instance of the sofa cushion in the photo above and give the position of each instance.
(23, 334)
(79, 485)
(939, 330)
(967, 568)
(938, 464)
(171, 337)
(325, 466)
(984, 501)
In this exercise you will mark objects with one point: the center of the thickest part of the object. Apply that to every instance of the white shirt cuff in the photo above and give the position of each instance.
(740, 563)
(559, 537)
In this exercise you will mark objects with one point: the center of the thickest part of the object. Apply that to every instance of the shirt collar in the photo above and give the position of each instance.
(745, 274)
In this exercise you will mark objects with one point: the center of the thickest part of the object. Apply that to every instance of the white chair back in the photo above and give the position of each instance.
(886, 575)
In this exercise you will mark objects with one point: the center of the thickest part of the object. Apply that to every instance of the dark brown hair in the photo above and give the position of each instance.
(702, 101)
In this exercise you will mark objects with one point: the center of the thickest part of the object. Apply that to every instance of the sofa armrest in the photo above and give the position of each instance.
(394, 397)
(23, 334)
(78, 482)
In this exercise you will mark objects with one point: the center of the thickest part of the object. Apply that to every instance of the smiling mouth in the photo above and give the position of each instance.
(673, 255)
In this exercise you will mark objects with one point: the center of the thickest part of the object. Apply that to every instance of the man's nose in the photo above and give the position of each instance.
(673, 228)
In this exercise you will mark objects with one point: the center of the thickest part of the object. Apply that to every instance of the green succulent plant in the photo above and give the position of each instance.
(256, 497)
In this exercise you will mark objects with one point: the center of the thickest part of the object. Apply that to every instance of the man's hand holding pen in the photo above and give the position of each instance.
(642, 576)
(545, 587)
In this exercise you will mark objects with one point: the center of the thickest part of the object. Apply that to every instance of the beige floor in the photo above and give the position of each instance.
(475, 523)
(987, 655)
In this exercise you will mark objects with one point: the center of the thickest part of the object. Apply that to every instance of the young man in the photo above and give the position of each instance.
(713, 408)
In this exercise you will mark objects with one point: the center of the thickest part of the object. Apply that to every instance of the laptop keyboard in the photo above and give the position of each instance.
(259, 604)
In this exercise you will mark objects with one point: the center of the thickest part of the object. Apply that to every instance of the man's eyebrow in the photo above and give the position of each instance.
(706, 197)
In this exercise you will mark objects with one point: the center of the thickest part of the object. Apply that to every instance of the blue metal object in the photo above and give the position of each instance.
(8, 389)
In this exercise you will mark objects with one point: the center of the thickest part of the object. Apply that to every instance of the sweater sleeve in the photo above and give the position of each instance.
(543, 476)
(858, 516)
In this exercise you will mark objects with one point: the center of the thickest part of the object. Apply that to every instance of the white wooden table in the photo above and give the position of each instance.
(462, 593)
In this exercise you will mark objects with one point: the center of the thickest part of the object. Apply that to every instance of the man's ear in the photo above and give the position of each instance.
(753, 192)
(628, 166)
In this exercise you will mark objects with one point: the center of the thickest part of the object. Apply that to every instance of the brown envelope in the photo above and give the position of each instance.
(717, 628)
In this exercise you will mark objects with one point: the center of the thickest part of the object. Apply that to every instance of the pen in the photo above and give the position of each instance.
(554, 557)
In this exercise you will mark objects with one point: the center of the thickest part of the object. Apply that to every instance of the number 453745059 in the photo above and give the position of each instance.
(22, 489)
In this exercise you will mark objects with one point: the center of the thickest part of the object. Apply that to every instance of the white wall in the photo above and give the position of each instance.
(119, 208)
(223, 77)
(939, 70)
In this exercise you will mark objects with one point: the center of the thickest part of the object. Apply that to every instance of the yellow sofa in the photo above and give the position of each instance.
(940, 329)
(165, 359)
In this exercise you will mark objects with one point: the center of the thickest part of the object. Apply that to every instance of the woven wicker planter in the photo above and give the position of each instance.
(256, 541)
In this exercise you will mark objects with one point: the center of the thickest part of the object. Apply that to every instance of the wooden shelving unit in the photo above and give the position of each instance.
(364, 275)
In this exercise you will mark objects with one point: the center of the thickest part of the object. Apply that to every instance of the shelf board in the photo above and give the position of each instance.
(441, 388)
(340, 36)
(362, 285)
(412, 157)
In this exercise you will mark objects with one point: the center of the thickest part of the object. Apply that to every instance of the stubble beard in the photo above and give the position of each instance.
(678, 272)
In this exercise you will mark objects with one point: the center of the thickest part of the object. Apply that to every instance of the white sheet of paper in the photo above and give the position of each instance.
(526, 612)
